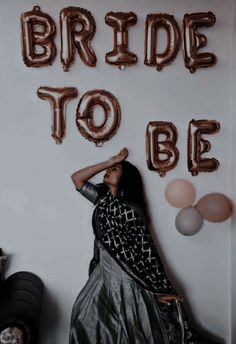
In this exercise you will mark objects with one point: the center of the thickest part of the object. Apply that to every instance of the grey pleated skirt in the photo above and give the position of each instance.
(113, 309)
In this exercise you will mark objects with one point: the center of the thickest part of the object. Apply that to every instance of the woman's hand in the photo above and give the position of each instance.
(167, 297)
(122, 155)
(80, 176)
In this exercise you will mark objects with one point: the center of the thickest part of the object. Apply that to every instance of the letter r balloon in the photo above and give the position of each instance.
(71, 39)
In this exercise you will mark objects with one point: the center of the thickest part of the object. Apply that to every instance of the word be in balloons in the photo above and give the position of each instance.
(163, 155)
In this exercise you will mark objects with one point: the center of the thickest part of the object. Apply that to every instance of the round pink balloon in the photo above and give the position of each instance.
(215, 207)
(180, 193)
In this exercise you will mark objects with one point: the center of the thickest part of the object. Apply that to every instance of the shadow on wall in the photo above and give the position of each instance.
(180, 288)
(49, 317)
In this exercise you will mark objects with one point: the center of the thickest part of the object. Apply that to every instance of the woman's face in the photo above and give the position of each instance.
(113, 174)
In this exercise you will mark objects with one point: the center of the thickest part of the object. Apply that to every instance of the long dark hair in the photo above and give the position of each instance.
(131, 185)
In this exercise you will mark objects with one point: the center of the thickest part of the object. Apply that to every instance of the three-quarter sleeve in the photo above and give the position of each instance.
(90, 191)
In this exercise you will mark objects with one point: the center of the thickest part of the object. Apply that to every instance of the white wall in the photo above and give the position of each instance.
(46, 224)
(233, 184)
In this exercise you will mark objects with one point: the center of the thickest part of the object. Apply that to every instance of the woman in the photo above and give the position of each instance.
(128, 298)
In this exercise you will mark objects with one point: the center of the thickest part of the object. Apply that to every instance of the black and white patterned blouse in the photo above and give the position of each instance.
(122, 229)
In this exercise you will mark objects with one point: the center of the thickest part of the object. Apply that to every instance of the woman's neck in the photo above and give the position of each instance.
(114, 190)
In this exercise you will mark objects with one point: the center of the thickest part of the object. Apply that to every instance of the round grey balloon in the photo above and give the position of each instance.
(188, 221)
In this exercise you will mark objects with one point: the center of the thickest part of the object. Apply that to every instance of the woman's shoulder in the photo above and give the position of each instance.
(92, 191)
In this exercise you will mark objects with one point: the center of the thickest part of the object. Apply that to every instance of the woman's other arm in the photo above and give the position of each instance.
(80, 176)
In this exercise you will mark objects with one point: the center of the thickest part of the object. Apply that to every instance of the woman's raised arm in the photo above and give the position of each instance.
(80, 176)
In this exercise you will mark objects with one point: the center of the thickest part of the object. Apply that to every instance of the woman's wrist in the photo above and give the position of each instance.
(109, 163)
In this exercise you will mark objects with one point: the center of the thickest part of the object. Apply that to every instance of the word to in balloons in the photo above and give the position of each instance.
(162, 154)
(78, 27)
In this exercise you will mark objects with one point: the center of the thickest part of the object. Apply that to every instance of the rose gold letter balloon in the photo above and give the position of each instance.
(71, 38)
(58, 98)
(156, 148)
(198, 146)
(153, 23)
(31, 38)
(194, 40)
(120, 55)
(215, 207)
(84, 116)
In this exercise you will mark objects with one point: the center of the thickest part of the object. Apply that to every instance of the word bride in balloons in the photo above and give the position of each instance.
(78, 27)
